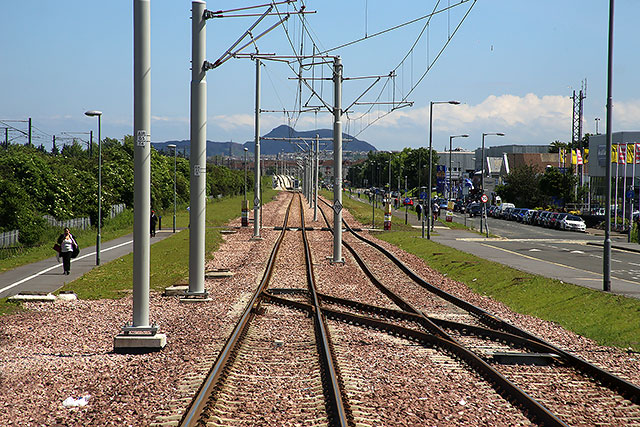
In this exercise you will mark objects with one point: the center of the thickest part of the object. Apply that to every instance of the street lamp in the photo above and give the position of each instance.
(174, 183)
(484, 205)
(431, 161)
(245, 173)
(93, 113)
(450, 150)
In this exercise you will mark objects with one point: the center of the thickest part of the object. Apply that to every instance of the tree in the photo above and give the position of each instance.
(558, 186)
(522, 187)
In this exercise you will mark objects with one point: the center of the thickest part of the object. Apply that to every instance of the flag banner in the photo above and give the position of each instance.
(637, 145)
(561, 156)
(630, 154)
(573, 157)
(622, 153)
(578, 157)
(614, 153)
(586, 156)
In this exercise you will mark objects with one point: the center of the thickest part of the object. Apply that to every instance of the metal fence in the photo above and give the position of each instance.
(76, 223)
(9, 238)
(117, 210)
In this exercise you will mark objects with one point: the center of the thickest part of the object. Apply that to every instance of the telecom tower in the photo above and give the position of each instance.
(576, 129)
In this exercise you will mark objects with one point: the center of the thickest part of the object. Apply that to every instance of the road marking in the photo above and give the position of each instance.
(19, 282)
(577, 252)
(534, 250)
(557, 264)
(636, 264)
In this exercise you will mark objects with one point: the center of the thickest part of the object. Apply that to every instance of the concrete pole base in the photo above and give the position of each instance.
(256, 238)
(136, 343)
(191, 297)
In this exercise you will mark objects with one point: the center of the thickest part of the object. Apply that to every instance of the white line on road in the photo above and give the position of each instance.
(13, 285)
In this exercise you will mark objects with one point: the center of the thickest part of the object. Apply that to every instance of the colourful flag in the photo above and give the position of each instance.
(561, 156)
(578, 157)
(573, 157)
(637, 145)
(586, 156)
(630, 154)
(622, 153)
(614, 153)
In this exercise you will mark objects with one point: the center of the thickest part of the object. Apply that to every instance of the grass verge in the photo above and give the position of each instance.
(169, 258)
(608, 319)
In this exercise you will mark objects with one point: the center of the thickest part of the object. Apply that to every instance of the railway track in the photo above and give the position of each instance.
(551, 385)
(353, 356)
(277, 365)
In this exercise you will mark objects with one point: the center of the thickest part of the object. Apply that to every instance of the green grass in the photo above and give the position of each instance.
(169, 258)
(608, 319)
(363, 212)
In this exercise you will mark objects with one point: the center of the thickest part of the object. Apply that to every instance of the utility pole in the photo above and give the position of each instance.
(315, 181)
(140, 334)
(29, 131)
(256, 200)
(337, 161)
(198, 156)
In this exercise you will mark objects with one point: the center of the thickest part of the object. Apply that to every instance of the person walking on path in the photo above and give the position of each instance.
(68, 246)
(154, 221)
(419, 211)
(436, 211)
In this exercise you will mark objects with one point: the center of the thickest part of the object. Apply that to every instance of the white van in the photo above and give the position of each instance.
(502, 207)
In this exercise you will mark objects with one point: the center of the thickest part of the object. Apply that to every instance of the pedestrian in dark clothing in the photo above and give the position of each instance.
(68, 245)
(154, 221)
(419, 210)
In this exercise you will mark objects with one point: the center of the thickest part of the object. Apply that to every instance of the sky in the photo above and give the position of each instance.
(512, 64)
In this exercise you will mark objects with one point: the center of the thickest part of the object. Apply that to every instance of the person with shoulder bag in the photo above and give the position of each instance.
(68, 249)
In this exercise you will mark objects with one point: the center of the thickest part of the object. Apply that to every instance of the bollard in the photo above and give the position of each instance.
(387, 217)
(245, 213)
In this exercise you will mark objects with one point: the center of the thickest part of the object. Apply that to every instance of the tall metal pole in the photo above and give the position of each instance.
(198, 156)
(311, 175)
(175, 179)
(245, 173)
(29, 131)
(450, 171)
(606, 269)
(99, 236)
(337, 160)
(482, 183)
(429, 219)
(315, 180)
(256, 200)
(141, 160)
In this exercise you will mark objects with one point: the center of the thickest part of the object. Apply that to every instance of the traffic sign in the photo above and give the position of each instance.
(630, 194)
(484, 198)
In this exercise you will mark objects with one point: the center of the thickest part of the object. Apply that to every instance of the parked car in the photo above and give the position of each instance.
(559, 217)
(541, 219)
(551, 220)
(573, 222)
(500, 212)
(527, 216)
(506, 213)
(474, 209)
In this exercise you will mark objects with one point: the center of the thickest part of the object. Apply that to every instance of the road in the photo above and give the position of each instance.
(569, 256)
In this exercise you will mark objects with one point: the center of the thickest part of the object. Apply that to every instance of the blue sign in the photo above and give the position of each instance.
(423, 195)
(630, 194)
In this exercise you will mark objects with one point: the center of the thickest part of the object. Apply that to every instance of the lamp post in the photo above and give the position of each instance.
(373, 206)
(484, 205)
(245, 173)
(431, 160)
(406, 206)
(174, 183)
(93, 113)
(450, 151)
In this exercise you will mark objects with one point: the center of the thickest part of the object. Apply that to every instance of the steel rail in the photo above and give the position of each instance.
(533, 409)
(339, 412)
(228, 352)
(625, 388)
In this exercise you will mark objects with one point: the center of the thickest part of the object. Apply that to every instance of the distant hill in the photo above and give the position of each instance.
(277, 145)
(271, 147)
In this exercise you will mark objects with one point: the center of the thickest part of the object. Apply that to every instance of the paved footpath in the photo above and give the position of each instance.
(46, 276)
(475, 244)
